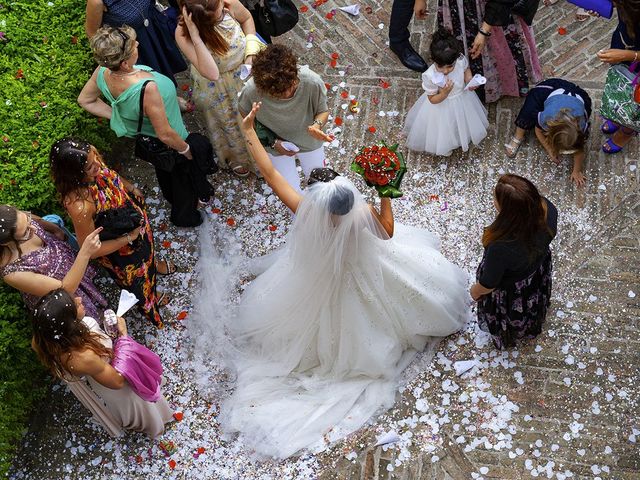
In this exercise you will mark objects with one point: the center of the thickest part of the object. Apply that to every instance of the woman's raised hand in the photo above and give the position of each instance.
(316, 132)
(194, 33)
(91, 244)
(248, 121)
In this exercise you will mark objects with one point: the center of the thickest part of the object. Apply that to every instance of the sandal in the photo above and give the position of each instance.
(163, 299)
(513, 146)
(610, 148)
(609, 127)
(170, 267)
(582, 15)
(240, 171)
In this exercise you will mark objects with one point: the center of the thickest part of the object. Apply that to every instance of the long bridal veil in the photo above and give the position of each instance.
(322, 333)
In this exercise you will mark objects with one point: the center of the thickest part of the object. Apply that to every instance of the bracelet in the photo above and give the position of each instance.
(185, 150)
(635, 57)
(317, 122)
(274, 144)
(482, 32)
(129, 241)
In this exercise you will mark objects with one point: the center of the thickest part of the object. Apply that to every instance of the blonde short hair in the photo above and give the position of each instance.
(113, 45)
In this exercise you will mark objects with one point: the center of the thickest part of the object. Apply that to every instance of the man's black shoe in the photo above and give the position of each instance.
(409, 57)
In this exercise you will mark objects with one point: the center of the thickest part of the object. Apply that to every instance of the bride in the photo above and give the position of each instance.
(323, 333)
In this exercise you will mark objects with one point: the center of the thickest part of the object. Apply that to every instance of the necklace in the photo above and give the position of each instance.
(122, 75)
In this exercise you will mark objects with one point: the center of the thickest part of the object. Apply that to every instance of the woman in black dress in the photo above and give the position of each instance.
(513, 281)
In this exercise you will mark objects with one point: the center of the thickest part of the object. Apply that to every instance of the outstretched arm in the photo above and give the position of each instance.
(277, 182)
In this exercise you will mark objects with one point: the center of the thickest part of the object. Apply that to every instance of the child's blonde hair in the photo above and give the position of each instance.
(564, 133)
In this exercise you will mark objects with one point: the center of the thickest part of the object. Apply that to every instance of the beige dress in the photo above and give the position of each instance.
(218, 100)
(119, 410)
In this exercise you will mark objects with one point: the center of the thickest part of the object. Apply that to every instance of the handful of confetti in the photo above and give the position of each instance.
(382, 167)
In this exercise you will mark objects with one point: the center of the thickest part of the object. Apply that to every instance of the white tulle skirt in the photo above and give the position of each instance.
(442, 127)
(320, 355)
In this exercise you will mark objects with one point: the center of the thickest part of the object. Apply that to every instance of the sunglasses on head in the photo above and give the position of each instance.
(125, 39)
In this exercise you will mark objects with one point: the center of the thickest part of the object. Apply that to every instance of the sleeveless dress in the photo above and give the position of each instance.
(118, 410)
(218, 100)
(457, 121)
(132, 266)
(54, 260)
(154, 31)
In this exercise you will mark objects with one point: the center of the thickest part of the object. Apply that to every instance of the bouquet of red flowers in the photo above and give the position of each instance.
(382, 167)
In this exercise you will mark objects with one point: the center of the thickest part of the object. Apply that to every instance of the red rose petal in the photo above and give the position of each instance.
(333, 63)
(272, 228)
(215, 210)
(372, 129)
(329, 15)
(562, 31)
(231, 222)
(166, 244)
(200, 450)
(338, 121)
(335, 56)
(185, 87)
(181, 316)
(327, 85)
(178, 416)
(304, 9)
(172, 464)
(74, 40)
(344, 94)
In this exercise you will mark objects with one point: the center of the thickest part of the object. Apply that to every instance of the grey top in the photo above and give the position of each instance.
(289, 118)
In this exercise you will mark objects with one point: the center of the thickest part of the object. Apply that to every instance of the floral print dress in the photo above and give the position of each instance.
(132, 266)
(218, 100)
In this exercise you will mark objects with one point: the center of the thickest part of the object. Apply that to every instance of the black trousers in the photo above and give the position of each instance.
(178, 189)
(401, 14)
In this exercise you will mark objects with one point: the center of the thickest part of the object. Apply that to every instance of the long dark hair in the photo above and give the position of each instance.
(57, 332)
(8, 225)
(629, 11)
(68, 157)
(521, 213)
(203, 14)
(445, 48)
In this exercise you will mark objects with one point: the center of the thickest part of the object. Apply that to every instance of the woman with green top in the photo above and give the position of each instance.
(121, 82)
(294, 108)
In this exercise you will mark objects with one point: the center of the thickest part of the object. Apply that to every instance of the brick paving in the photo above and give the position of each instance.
(570, 396)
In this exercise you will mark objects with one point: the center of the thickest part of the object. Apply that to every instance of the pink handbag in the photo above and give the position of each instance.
(139, 366)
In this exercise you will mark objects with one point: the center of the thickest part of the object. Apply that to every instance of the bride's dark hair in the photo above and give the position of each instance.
(341, 201)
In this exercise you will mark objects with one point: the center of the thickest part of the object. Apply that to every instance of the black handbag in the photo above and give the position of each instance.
(117, 222)
(276, 16)
(150, 149)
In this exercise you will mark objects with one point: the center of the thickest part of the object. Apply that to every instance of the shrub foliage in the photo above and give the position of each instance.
(44, 62)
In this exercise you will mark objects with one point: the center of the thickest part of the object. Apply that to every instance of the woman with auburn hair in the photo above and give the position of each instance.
(513, 287)
(218, 37)
(75, 349)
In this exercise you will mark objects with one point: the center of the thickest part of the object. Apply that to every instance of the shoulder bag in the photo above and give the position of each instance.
(276, 16)
(150, 149)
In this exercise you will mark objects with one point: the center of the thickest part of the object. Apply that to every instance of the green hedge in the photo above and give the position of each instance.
(44, 62)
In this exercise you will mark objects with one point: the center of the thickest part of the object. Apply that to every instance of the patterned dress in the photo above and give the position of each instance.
(54, 260)
(132, 266)
(218, 100)
(509, 60)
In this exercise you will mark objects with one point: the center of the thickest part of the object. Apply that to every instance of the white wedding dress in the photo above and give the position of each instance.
(325, 329)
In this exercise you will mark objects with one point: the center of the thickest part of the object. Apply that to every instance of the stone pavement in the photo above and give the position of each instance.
(564, 405)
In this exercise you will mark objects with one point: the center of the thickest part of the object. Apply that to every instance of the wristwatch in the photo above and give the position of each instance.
(318, 122)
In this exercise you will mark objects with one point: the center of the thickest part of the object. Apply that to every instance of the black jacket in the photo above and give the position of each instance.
(498, 13)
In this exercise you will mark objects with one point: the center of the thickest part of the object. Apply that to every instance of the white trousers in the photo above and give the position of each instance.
(287, 165)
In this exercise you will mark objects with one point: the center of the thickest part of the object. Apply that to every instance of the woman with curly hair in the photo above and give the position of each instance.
(513, 287)
(218, 37)
(90, 190)
(294, 108)
(75, 349)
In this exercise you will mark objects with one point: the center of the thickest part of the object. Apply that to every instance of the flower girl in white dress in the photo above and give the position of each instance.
(447, 115)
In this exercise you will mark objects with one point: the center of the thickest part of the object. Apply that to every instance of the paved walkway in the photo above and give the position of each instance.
(562, 406)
